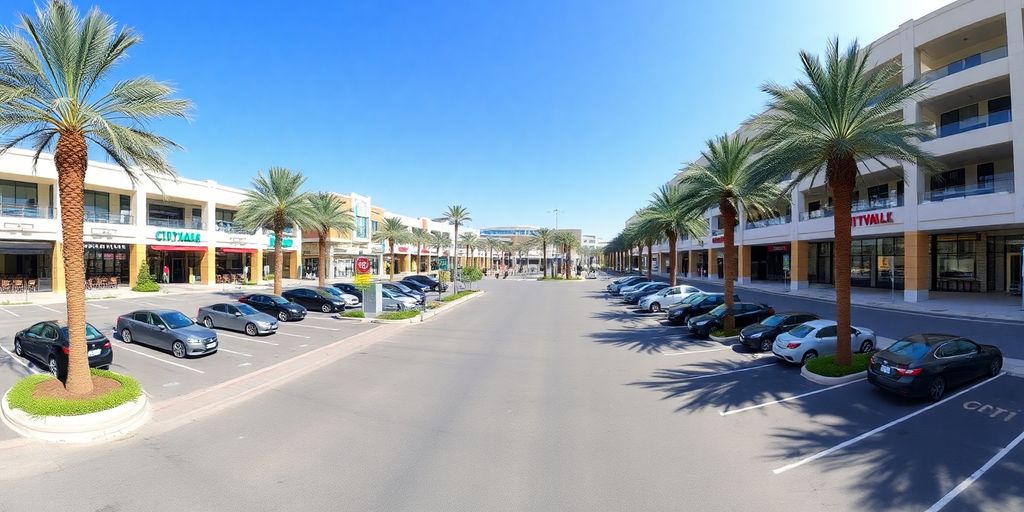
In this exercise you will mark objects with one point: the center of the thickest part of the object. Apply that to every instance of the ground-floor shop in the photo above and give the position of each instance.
(769, 262)
(107, 264)
(290, 262)
(26, 266)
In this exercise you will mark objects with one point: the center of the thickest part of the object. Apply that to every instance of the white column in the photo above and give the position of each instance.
(1015, 56)
(140, 210)
(913, 187)
(210, 209)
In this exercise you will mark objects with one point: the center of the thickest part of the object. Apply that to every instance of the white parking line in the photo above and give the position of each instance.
(150, 304)
(716, 374)
(222, 349)
(872, 432)
(93, 304)
(976, 475)
(684, 352)
(143, 354)
(244, 339)
(279, 333)
(19, 361)
(758, 406)
(12, 313)
(321, 328)
(48, 309)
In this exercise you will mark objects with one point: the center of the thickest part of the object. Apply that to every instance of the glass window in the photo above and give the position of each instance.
(909, 348)
(246, 309)
(220, 308)
(773, 320)
(948, 179)
(49, 332)
(142, 316)
(965, 347)
(999, 110)
(176, 320)
(277, 300)
(946, 350)
(37, 329)
(17, 193)
(801, 331)
(827, 332)
(986, 175)
(878, 195)
(361, 229)
(97, 206)
(164, 212)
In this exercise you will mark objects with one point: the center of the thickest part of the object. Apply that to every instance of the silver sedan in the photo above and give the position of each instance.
(240, 317)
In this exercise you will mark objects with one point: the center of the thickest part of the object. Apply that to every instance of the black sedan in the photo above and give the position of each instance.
(405, 290)
(744, 313)
(47, 343)
(315, 298)
(350, 289)
(929, 364)
(694, 305)
(434, 284)
(760, 336)
(416, 285)
(275, 305)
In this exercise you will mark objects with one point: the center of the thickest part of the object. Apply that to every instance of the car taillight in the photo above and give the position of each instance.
(65, 350)
(908, 372)
(792, 345)
(107, 344)
(771, 311)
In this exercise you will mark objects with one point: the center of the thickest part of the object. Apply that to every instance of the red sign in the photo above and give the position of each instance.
(778, 248)
(363, 265)
(718, 239)
(871, 219)
(403, 249)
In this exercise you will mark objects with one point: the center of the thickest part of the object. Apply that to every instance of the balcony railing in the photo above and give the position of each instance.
(231, 227)
(108, 218)
(196, 224)
(965, 63)
(974, 123)
(858, 206)
(998, 185)
(774, 221)
(21, 210)
(717, 232)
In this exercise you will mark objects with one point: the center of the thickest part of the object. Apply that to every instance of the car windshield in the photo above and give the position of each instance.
(692, 299)
(330, 291)
(278, 300)
(325, 294)
(801, 331)
(911, 349)
(246, 309)
(176, 320)
(773, 321)
(718, 311)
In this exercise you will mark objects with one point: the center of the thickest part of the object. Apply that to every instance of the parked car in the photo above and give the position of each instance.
(435, 285)
(416, 285)
(167, 329)
(760, 336)
(623, 290)
(46, 343)
(351, 301)
(744, 313)
(640, 292)
(350, 289)
(666, 297)
(274, 305)
(314, 298)
(396, 301)
(405, 290)
(818, 338)
(929, 364)
(240, 317)
(616, 285)
(694, 305)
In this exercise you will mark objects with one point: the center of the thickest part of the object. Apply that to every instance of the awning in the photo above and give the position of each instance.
(192, 248)
(14, 247)
(236, 249)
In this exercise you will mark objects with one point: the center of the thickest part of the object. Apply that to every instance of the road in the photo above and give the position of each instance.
(549, 396)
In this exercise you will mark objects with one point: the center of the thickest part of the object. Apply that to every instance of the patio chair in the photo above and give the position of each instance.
(18, 285)
(6, 286)
(33, 285)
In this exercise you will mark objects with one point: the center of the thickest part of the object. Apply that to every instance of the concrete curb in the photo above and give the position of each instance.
(831, 381)
(86, 428)
(729, 339)
(430, 313)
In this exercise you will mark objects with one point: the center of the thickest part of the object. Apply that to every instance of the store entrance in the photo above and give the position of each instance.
(1013, 271)
(178, 270)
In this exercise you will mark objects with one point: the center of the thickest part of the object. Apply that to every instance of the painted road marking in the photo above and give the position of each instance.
(684, 352)
(976, 475)
(9, 312)
(717, 374)
(143, 354)
(321, 328)
(222, 349)
(986, 409)
(48, 309)
(18, 360)
(96, 305)
(773, 402)
(245, 339)
(279, 333)
(150, 304)
(245, 364)
(170, 384)
(872, 432)
(304, 345)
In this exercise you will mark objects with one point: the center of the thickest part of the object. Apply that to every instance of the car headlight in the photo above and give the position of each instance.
(702, 323)
(755, 335)
(192, 339)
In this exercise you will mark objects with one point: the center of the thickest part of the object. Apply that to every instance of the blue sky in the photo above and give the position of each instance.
(509, 108)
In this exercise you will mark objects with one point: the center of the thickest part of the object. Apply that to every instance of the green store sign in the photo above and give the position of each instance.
(287, 242)
(177, 236)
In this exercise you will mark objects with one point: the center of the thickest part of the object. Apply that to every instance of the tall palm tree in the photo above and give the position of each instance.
(469, 240)
(647, 235)
(55, 95)
(276, 200)
(439, 240)
(564, 240)
(729, 181)
(837, 116)
(327, 212)
(456, 215)
(669, 214)
(421, 237)
(393, 232)
(543, 237)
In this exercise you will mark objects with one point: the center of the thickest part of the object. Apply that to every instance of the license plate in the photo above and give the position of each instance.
(211, 345)
(94, 352)
(885, 369)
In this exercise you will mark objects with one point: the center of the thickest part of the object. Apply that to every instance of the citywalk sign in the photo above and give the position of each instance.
(177, 236)
(871, 219)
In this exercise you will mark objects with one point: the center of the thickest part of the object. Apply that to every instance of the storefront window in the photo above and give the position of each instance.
(97, 206)
(954, 257)
(361, 227)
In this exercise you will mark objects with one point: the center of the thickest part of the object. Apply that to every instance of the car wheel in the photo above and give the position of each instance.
(208, 322)
(995, 367)
(866, 346)
(126, 335)
(655, 307)
(326, 308)
(250, 329)
(936, 389)
(54, 367)
(282, 316)
(178, 349)
(810, 354)
(766, 345)
(17, 349)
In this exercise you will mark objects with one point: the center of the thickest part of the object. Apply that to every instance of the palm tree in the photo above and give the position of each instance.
(456, 215)
(669, 214)
(565, 242)
(276, 201)
(327, 212)
(837, 116)
(543, 237)
(647, 235)
(393, 232)
(469, 240)
(421, 237)
(439, 240)
(54, 96)
(729, 181)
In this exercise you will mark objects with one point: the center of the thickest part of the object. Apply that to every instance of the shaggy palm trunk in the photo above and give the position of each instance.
(568, 262)
(649, 262)
(419, 249)
(455, 254)
(278, 253)
(672, 256)
(544, 259)
(842, 178)
(321, 275)
(71, 160)
(391, 267)
(729, 218)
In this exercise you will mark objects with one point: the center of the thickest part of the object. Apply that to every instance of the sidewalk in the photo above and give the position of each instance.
(123, 292)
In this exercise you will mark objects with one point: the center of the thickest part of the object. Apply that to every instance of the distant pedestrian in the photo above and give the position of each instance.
(166, 275)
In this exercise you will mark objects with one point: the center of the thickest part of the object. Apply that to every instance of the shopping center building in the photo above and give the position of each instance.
(961, 230)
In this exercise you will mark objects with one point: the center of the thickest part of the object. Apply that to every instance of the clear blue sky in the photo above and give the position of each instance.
(510, 108)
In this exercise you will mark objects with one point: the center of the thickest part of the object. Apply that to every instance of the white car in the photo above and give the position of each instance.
(667, 297)
(818, 338)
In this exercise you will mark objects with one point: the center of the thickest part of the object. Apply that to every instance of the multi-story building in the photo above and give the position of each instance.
(961, 230)
(184, 225)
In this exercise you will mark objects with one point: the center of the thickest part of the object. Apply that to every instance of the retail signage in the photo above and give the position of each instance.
(177, 236)
(778, 248)
(871, 219)
(287, 242)
(718, 239)
(363, 265)
(403, 249)
(442, 263)
(89, 246)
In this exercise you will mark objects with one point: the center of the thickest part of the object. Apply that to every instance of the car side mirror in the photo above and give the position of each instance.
(162, 328)
(238, 313)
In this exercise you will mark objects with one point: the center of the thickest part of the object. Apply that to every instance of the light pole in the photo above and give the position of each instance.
(556, 211)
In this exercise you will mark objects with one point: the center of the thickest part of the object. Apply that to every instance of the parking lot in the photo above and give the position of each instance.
(161, 374)
(848, 446)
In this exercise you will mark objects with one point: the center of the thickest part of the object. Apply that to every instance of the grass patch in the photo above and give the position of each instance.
(434, 304)
(725, 333)
(20, 396)
(826, 366)
(559, 278)
(355, 313)
(399, 315)
(457, 295)
(147, 287)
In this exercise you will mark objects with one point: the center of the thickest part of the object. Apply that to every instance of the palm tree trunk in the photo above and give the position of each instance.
(568, 260)
(391, 267)
(71, 160)
(278, 254)
(729, 218)
(543, 258)
(419, 249)
(455, 254)
(842, 176)
(672, 235)
(649, 274)
(321, 275)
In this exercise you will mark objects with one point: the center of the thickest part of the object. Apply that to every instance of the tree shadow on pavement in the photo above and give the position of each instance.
(642, 340)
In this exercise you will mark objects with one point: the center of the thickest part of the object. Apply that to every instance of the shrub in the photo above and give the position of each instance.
(20, 396)
(145, 282)
(443, 276)
(457, 295)
(826, 366)
(724, 333)
(355, 313)
(399, 315)
(471, 274)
